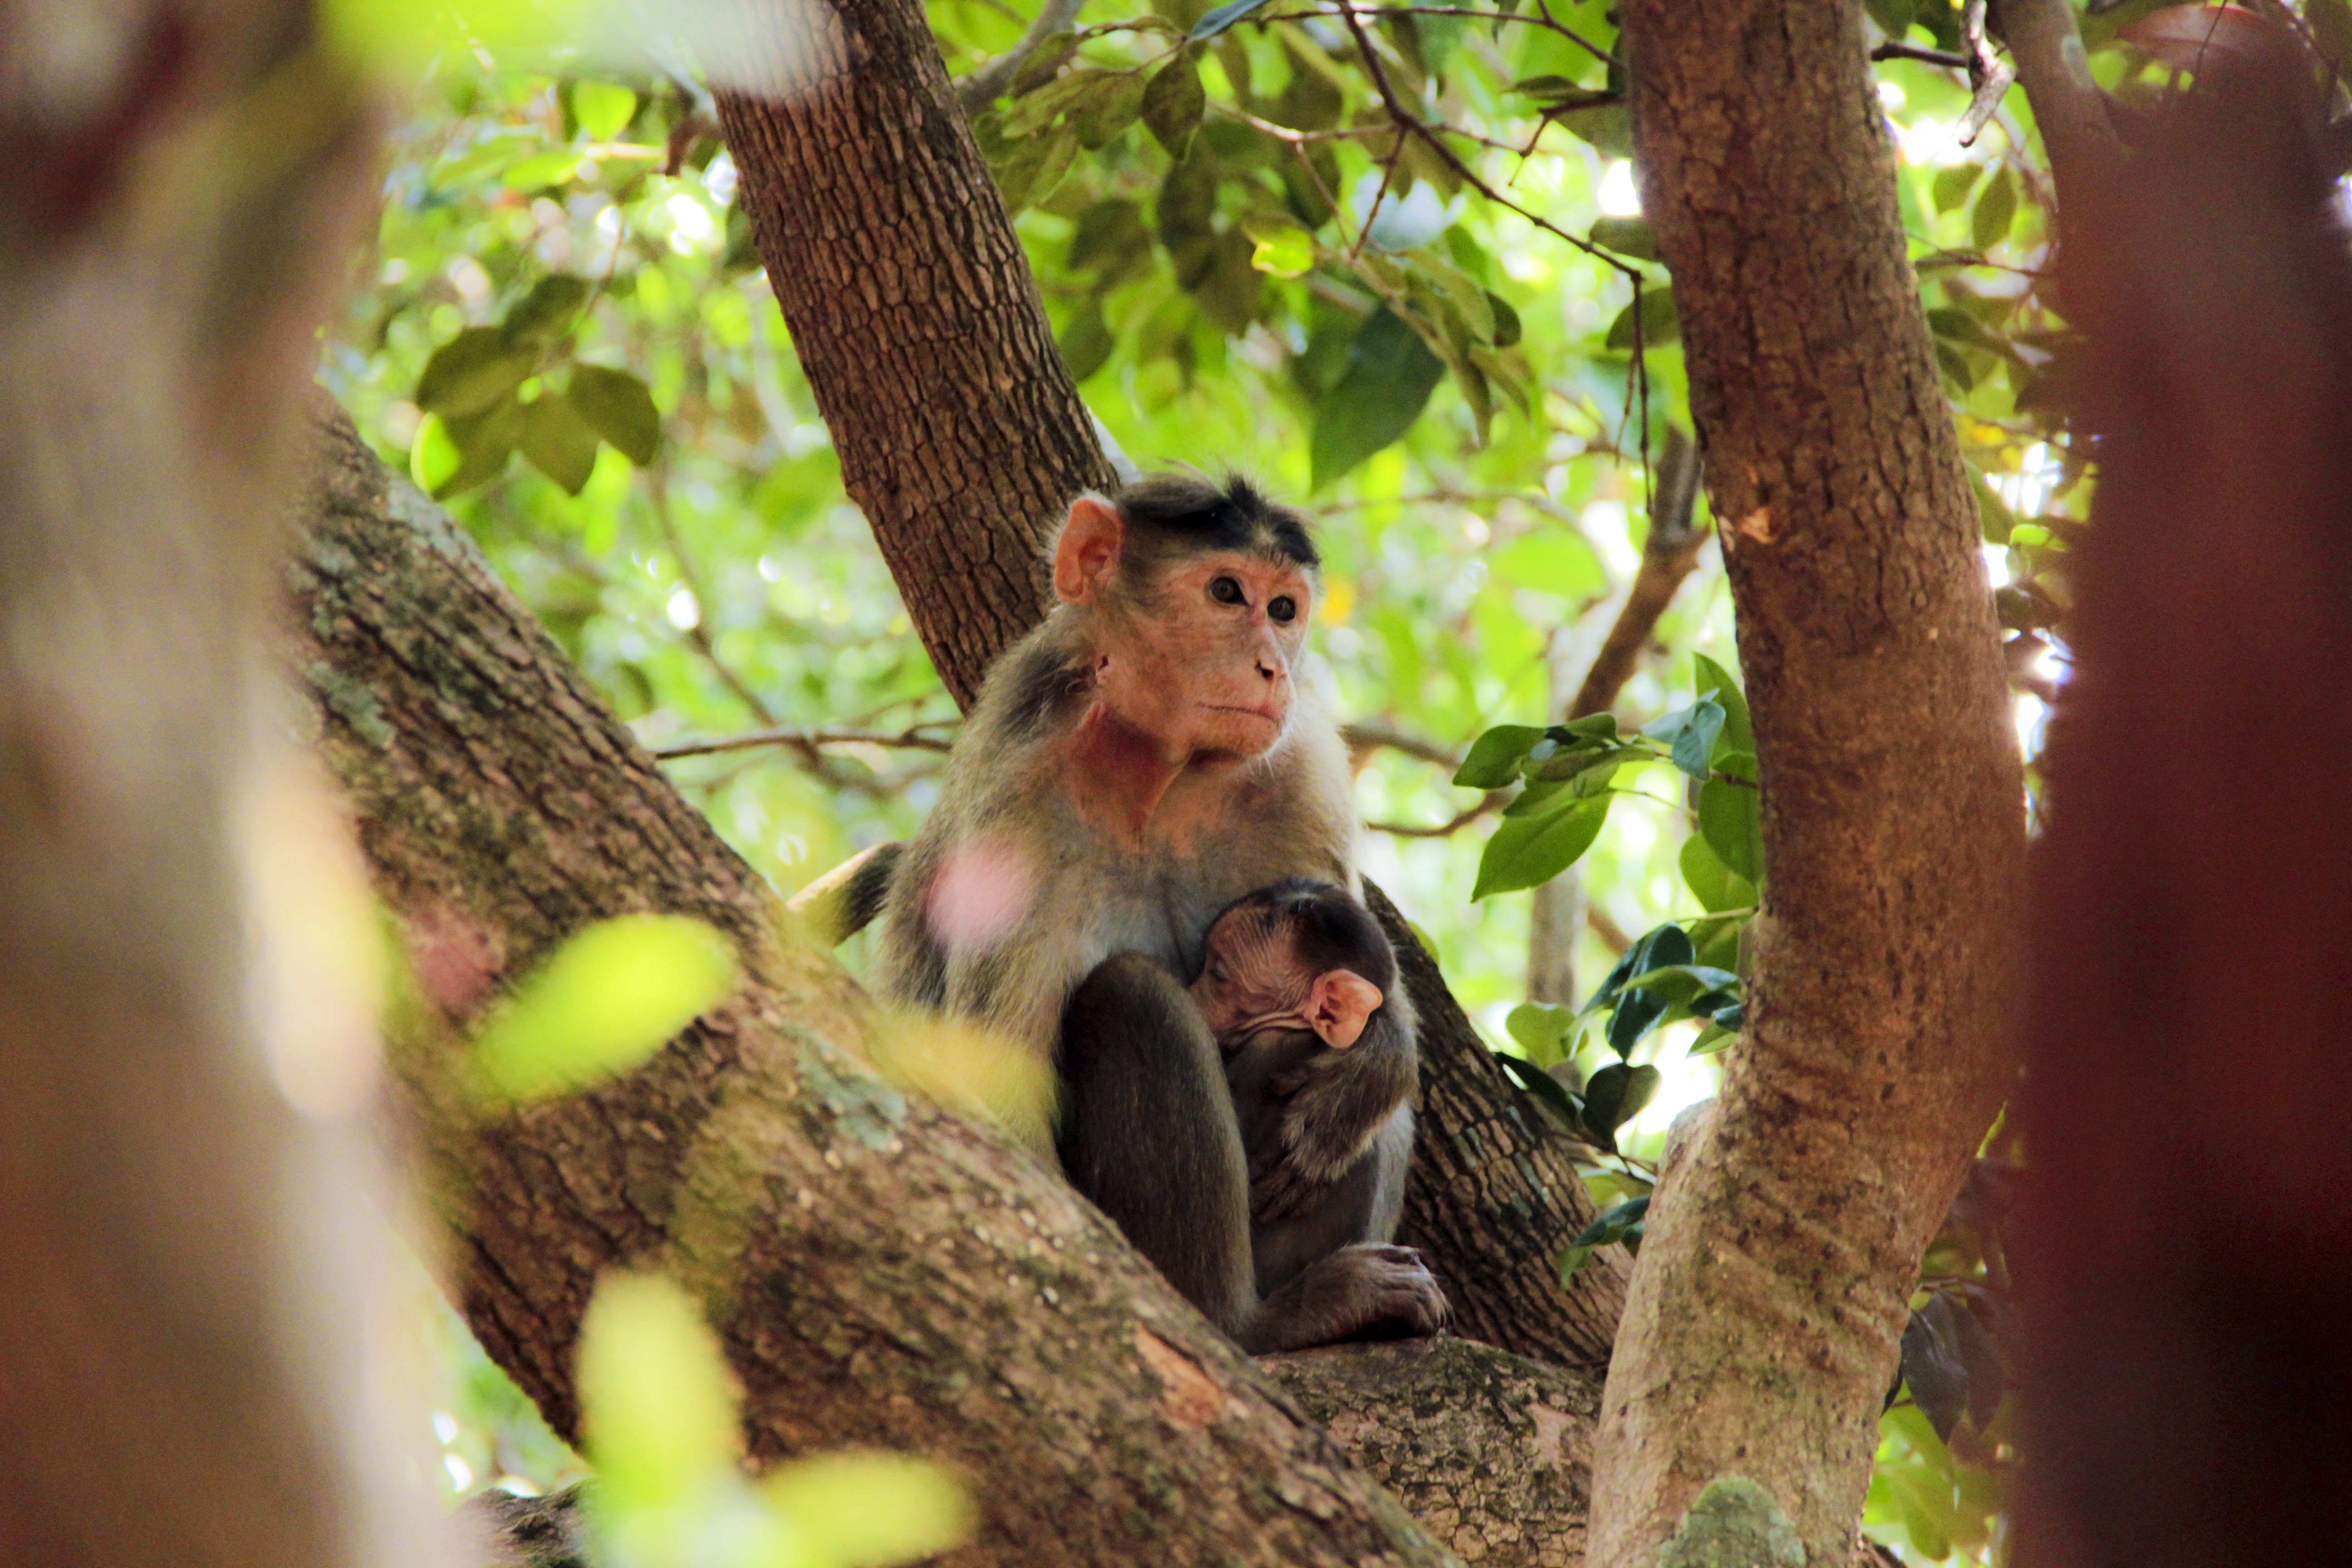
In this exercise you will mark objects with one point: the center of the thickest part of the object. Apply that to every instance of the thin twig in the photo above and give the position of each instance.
(1367, 737)
(1541, 18)
(913, 740)
(1892, 50)
(979, 88)
(1989, 75)
(1495, 801)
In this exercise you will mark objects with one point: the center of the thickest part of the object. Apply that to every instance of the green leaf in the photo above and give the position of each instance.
(1113, 105)
(609, 998)
(1730, 821)
(1287, 252)
(1541, 1029)
(1615, 1096)
(1952, 184)
(603, 108)
(547, 168)
(558, 442)
(1087, 342)
(1495, 756)
(1893, 16)
(1711, 1039)
(484, 441)
(1032, 166)
(1508, 330)
(1714, 680)
(1631, 236)
(1111, 241)
(1955, 366)
(434, 460)
(1045, 64)
(1660, 325)
(1996, 210)
(1606, 127)
(1173, 102)
(547, 312)
(620, 407)
(1681, 984)
(1691, 733)
(1664, 944)
(1612, 1224)
(1220, 18)
(1545, 1088)
(1390, 375)
(471, 372)
(1716, 885)
(656, 1404)
(871, 1509)
(1529, 851)
(1572, 1259)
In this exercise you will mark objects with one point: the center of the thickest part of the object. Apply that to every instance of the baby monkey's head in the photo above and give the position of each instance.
(1300, 955)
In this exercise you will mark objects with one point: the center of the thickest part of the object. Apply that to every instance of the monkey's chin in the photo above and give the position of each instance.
(1242, 734)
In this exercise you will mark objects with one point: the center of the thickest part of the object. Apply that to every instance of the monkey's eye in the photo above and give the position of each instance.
(1227, 590)
(1284, 609)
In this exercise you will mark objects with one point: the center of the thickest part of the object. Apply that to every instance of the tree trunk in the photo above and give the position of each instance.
(962, 437)
(178, 1348)
(879, 1272)
(1763, 1324)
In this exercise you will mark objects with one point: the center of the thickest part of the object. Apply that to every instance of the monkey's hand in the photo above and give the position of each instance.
(1336, 1104)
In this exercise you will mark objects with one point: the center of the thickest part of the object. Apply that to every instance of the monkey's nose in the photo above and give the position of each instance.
(1268, 670)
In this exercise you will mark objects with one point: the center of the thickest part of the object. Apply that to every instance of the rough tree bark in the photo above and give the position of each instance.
(879, 1272)
(178, 1349)
(961, 436)
(1763, 1324)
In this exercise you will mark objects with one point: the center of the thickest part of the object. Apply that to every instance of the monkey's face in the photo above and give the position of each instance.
(1255, 979)
(1203, 659)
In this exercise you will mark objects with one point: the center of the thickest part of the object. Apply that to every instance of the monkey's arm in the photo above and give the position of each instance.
(1333, 1107)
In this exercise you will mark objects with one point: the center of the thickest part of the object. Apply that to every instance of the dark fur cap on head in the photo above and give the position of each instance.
(1194, 513)
(1329, 929)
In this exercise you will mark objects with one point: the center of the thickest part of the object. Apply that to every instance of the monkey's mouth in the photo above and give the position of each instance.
(1270, 721)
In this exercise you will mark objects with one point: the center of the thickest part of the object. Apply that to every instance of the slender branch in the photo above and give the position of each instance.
(1368, 737)
(1989, 75)
(1495, 801)
(1892, 50)
(983, 86)
(1542, 18)
(1668, 555)
(912, 740)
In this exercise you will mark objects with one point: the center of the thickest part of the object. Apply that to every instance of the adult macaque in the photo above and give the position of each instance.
(1158, 747)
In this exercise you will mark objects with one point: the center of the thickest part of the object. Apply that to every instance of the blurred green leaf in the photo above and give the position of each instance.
(1660, 325)
(1087, 342)
(1996, 210)
(558, 442)
(1221, 17)
(1549, 1091)
(1631, 236)
(654, 1398)
(484, 442)
(621, 409)
(1173, 102)
(603, 108)
(606, 1000)
(1950, 188)
(1390, 375)
(546, 313)
(1714, 680)
(471, 372)
(872, 1510)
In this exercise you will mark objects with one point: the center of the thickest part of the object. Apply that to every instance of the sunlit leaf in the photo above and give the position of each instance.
(603, 108)
(1996, 209)
(558, 442)
(547, 312)
(1540, 1028)
(1716, 885)
(609, 998)
(872, 1510)
(1287, 252)
(1729, 816)
(1495, 756)
(654, 1399)
(1529, 851)
(471, 372)
(1714, 680)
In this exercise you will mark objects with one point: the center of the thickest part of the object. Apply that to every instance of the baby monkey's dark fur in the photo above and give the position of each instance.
(1291, 1010)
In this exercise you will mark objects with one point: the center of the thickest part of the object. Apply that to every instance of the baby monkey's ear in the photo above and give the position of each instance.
(1340, 1005)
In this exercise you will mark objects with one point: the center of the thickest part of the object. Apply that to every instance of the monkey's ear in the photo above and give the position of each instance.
(1086, 548)
(1340, 1005)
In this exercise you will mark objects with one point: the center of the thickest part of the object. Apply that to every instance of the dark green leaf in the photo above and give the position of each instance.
(558, 441)
(1996, 210)
(1529, 851)
(1893, 16)
(1933, 1366)
(1187, 205)
(620, 408)
(1508, 330)
(1110, 109)
(1494, 759)
(1612, 1224)
(1110, 240)
(1390, 375)
(1683, 984)
(1229, 293)
(1221, 17)
(1032, 166)
(1631, 236)
(1603, 124)
(1730, 819)
(471, 372)
(1664, 945)
(1592, 726)
(1549, 1091)
(1087, 342)
(1045, 64)
(1173, 102)
(547, 312)
(1615, 1096)
(1711, 1039)
(1955, 366)
(1659, 323)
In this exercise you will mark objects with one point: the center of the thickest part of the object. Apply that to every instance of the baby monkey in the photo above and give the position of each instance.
(1295, 986)
(1293, 1056)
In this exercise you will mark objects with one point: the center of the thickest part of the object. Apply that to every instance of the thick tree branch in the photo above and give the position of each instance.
(1781, 1252)
(962, 437)
(2068, 106)
(1668, 555)
(880, 1273)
